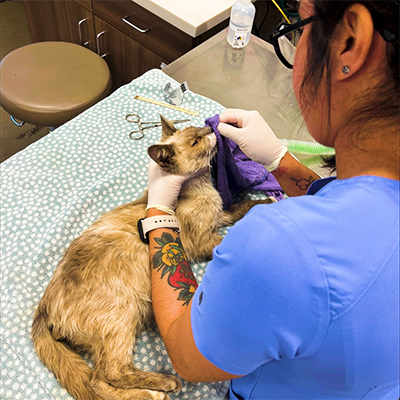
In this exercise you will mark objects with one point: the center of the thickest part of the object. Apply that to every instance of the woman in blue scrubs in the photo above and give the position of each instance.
(301, 299)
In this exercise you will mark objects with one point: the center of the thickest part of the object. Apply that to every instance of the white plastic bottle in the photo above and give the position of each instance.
(240, 24)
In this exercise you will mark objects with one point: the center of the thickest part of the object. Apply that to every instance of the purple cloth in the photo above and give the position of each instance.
(233, 171)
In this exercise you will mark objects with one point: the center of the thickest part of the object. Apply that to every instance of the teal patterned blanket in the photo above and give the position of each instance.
(50, 193)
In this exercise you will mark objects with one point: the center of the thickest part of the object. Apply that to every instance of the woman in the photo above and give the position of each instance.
(301, 298)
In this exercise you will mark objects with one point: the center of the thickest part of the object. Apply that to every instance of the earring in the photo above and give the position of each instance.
(345, 69)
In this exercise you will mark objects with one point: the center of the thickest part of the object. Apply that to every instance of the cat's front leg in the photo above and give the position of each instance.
(200, 247)
(239, 210)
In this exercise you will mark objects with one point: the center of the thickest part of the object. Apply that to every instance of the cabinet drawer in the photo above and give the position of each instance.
(160, 37)
(126, 58)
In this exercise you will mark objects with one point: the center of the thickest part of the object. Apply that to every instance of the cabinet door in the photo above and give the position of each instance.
(77, 26)
(126, 58)
(60, 21)
(43, 11)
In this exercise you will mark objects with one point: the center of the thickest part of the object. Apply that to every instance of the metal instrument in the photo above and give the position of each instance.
(139, 133)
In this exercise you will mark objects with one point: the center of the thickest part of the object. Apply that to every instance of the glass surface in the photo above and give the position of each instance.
(252, 78)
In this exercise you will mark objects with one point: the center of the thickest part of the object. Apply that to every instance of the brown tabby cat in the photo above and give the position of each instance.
(99, 298)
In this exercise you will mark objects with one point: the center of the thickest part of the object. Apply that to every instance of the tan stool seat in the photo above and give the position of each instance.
(49, 83)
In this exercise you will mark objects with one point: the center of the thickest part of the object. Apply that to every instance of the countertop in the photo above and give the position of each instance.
(193, 17)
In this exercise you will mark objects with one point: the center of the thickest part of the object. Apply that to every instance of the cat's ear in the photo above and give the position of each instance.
(168, 128)
(162, 154)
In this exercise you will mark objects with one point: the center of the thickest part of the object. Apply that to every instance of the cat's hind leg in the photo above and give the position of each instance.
(239, 210)
(115, 377)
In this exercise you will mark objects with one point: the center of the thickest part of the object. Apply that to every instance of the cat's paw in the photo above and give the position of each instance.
(160, 396)
(268, 200)
(171, 384)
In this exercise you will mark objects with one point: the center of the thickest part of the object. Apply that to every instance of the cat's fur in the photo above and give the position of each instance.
(99, 298)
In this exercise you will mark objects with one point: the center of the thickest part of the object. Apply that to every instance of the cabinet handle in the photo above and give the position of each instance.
(98, 44)
(80, 31)
(133, 26)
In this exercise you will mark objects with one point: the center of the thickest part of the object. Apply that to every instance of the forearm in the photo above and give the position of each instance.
(173, 282)
(294, 177)
(173, 286)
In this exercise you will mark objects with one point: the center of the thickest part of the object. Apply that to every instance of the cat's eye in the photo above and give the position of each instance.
(195, 142)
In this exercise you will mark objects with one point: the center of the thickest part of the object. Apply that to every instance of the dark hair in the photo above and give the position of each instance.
(383, 102)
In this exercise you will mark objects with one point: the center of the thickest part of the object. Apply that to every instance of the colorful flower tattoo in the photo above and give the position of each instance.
(172, 260)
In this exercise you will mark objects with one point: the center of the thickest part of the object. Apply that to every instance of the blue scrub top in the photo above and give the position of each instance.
(302, 296)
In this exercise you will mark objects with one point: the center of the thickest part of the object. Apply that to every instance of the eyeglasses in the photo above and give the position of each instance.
(286, 37)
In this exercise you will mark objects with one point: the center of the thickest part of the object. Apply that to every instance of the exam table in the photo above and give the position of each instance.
(58, 186)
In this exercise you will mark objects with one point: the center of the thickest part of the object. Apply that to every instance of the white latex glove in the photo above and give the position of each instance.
(164, 188)
(254, 137)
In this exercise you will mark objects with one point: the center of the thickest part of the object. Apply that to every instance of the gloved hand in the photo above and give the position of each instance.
(163, 188)
(254, 137)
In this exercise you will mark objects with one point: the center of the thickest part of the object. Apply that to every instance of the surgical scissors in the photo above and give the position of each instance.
(139, 133)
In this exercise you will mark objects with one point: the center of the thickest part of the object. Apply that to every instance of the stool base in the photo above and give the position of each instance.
(15, 122)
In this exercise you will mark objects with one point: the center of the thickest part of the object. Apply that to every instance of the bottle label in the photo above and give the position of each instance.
(242, 30)
(240, 36)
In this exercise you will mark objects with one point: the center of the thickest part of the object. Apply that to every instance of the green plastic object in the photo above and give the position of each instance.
(311, 148)
(289, 14)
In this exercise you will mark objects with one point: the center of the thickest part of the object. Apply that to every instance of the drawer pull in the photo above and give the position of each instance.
(133, 26)
(80, 32)
(98, 44)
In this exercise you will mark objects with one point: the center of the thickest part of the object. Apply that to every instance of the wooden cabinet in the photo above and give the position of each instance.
(144, 27)
(131, 39)
(126, 57)
(60, 21)
(78, 22)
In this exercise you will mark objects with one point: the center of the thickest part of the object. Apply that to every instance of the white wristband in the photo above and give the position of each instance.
(158, 221)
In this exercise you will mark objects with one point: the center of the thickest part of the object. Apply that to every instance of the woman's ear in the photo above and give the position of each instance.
(352, 42)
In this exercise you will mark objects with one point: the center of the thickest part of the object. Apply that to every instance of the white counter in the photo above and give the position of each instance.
(193, 17)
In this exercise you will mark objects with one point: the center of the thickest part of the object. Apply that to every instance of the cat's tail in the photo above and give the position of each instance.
(70, 369)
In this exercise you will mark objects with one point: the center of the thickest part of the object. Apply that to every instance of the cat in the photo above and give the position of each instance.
(99, 298)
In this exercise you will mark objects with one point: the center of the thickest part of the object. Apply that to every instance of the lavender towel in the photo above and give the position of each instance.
(233, 171)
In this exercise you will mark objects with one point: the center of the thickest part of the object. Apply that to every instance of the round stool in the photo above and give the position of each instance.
(49, 83)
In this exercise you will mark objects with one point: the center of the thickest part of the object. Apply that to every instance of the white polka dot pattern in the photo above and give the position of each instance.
(55, 189)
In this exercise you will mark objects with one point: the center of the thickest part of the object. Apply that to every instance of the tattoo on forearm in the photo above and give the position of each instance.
(303, 183)
(172, 260)
(279, 172)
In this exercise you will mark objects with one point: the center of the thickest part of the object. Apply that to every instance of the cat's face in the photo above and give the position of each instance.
(184, 151)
